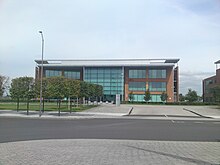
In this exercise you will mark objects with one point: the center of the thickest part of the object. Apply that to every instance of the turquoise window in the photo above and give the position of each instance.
(137, 86)
(137, 73)
(157, 86)
(53, 73)
(138, 98)
(157, 73)
(72, 74)
(110, 78)
(155, 98)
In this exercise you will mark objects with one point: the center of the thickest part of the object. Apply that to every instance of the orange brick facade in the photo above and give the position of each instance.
(172, 97)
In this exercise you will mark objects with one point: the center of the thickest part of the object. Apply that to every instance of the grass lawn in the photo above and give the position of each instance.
(47, 107)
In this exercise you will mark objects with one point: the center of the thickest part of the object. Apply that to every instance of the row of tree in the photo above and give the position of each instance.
(26, 88)
(147, 96)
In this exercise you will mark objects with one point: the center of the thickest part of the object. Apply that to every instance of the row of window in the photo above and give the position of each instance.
(140, 98)
(104, 73)
(153, 86)
(67, 74)
(96, 80)
(153, 73)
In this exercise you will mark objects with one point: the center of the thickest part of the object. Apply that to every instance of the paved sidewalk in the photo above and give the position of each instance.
(207, 111)
(109, 152)
(137, 111)
(102, 111)
(175, 111)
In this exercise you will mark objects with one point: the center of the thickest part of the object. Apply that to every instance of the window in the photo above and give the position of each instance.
(157, 73)
(155, 98)
(134, 73)
(137, 86)
(72, 74)
(110, 78)
(53, 73)
(157, 86)
(138, 98)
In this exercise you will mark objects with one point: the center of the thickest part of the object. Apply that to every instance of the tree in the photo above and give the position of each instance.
(191, 96)
(147, 96)
(73, 90)
(4, 84)
(22, 88)
(84, 90)
(164, 96)
(131, 96)
(181, 97)
(57, 89)
(45, 92)
(98, 92)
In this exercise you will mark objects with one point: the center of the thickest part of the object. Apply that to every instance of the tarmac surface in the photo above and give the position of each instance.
(106, 151)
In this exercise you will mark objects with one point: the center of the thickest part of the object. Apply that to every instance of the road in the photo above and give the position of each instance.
(20, 129)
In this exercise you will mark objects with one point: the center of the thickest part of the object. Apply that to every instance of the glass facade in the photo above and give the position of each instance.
(110, 78)
(137, 73)
(157, 73)
(72, 74)
(138, 98)
(155, 98)
(137, 86)
(157, 86)
(53, 73)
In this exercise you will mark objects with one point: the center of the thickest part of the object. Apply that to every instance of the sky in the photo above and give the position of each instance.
(103, 29)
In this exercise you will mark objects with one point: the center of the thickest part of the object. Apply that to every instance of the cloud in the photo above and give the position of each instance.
(193, 80)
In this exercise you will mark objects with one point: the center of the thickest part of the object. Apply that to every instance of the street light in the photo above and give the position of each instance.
(41, 75)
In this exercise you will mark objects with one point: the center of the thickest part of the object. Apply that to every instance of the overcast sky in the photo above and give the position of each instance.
(85, 29)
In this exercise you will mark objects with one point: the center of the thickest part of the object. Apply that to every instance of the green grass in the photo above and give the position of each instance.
(47, 107)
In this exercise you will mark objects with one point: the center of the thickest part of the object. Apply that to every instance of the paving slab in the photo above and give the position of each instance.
(109, 152)
(208, 111)
(164, 110)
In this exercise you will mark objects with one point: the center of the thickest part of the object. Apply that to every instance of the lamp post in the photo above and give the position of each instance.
(41, 75)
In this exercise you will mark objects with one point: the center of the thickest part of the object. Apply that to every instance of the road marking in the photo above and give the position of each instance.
(215, 122)
(198, 122)
(171, 120)
(180, 122)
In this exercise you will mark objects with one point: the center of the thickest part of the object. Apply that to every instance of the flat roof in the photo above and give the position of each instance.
(109, 62)
(217, 62)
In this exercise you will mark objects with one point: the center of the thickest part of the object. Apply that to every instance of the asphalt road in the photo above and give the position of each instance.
(20, 129)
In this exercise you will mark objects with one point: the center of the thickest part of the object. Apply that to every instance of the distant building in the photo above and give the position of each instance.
(120, 76)
(209, 83)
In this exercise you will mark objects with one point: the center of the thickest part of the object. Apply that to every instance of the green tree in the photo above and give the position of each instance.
(164, 96)
(30, 91)
(131, 96)
(191, 96)
(99, 92)
(91, 90)
(147, 96)
(181, 97)
(45, 92)
(22, 88)
(73, 90)
(57, 89)
(84, 90)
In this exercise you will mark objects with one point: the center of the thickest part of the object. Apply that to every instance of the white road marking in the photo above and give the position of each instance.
(198, 122)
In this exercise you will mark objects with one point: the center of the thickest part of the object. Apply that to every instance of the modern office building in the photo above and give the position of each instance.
(120, 76)
(211, 82)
